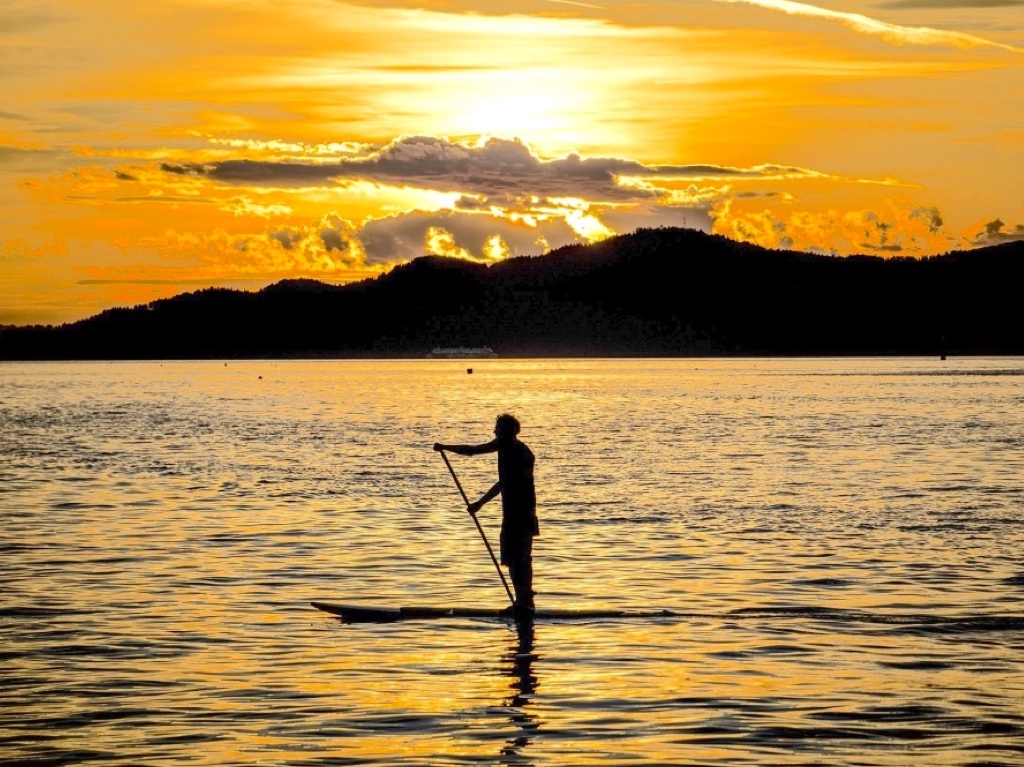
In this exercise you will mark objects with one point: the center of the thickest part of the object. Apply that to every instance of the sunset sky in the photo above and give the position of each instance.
(151, 148)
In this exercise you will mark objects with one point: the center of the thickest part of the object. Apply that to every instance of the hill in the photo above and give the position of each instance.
(660, 292)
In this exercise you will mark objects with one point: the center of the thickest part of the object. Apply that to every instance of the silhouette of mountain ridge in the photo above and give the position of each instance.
(655, 292)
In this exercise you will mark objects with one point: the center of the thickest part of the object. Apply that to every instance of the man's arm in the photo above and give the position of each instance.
(490, 495)
(489, 447)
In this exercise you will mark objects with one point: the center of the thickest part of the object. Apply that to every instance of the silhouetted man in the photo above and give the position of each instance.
(518, 502)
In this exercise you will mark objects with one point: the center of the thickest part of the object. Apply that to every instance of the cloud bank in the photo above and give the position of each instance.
(503, 200)
(289, 213)
(996, 232)
(496, 167)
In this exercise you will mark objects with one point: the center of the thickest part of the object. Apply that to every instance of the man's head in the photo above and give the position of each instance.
(506, 426)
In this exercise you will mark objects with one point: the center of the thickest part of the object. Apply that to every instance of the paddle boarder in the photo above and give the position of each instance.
(518, 503)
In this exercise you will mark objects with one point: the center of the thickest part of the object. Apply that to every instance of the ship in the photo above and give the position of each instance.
(461, 352)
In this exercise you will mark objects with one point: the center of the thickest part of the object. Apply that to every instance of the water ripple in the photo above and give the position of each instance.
(838, 543)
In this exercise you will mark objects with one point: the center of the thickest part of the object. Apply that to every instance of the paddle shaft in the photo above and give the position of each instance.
(476, 522)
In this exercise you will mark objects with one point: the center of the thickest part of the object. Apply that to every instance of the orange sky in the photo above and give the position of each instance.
(151, 148)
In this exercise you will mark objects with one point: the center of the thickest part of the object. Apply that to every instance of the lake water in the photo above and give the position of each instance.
(843, 538)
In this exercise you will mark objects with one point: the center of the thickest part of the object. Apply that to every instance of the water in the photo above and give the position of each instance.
(843, 536)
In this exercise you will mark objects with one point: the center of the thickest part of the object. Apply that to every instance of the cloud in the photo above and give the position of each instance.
(287, 237)
(655, 215)
(494, 168)
(27, 156)
(288, 148)
(943, 4)
(305, 250)
(897, 226)
(492, 199)
(243, 206)
(496, 197)
(335, 248)
(995, 232)
(335, 233)
(469, 235)
(893, 33)
(179, 170)
(930, 216)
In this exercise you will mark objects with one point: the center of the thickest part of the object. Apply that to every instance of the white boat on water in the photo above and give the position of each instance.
(461, 352)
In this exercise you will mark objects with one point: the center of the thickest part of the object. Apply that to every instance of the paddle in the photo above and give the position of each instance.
(480, 529)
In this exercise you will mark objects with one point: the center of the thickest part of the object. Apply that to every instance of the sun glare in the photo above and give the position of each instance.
(516, 113)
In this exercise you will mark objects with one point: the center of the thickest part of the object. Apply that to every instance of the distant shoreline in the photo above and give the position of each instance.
(524, 358)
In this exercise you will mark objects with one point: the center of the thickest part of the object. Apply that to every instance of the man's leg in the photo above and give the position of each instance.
(521, 570)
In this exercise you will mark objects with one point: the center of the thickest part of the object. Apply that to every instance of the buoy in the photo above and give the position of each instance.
(469, 371)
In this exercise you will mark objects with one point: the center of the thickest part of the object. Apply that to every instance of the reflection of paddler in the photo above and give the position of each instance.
(524, 683)
(518, 503)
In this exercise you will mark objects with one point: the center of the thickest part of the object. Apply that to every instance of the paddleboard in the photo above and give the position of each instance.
(373, 614)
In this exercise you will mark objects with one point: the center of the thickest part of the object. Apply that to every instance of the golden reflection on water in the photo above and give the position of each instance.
(168, 524)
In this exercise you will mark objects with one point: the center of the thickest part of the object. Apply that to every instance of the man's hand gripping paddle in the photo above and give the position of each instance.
(479, 529)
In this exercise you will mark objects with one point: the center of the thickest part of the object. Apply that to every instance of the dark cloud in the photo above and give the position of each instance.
(931, 216)
(754, 195)
(398, 238)
(257, 172)
(334, 233)
(333, 240)
(288, 237)
(15, 153)
(499, 167)
(879, 233)
(121, 176)
(996, 233)
(472, 203)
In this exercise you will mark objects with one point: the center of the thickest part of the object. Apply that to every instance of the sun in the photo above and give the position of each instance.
(548, 108)
(517, 114)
